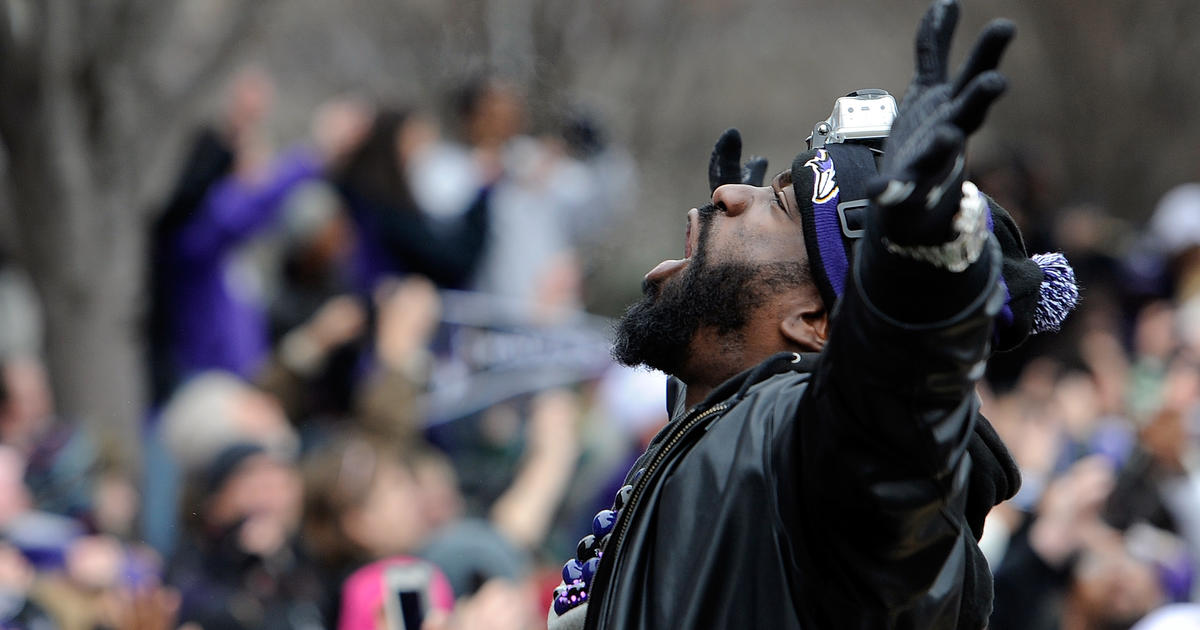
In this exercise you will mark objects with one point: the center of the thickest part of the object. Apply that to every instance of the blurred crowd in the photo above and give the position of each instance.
(1104, 421)
(306, 301)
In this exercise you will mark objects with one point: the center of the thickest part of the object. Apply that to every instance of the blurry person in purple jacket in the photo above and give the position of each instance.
(216, 326)
(209, 317)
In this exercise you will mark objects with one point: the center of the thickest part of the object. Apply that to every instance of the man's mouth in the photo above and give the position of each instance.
(669, 268)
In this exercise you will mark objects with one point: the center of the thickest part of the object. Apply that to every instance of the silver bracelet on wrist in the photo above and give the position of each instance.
(971, 224)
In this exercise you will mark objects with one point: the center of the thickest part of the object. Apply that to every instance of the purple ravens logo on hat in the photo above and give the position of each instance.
(824, 177)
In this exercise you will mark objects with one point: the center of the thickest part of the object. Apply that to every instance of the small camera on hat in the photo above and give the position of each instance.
(862, 116)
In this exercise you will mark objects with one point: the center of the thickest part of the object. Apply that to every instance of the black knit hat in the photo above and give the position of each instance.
(226, 464)
(830, 188)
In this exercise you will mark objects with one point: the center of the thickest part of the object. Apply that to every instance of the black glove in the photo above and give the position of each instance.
(723, 166)
(919, 187)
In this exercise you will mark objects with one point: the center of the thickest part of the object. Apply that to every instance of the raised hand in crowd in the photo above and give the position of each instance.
(408, 316)
(1106, 359)
(1069, 513)
(148, 608)
(339, 320)
(497, 605)
(339, 126)
(523, 513)
(408, 313)
(251, 99)
(305, 351)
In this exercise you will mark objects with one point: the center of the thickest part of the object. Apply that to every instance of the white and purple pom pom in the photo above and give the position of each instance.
(1058, 294)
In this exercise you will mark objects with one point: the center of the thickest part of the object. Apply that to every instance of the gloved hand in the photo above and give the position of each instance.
(723, 166)
(918, 191)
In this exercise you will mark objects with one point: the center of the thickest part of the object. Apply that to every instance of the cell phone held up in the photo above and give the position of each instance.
(406, 598)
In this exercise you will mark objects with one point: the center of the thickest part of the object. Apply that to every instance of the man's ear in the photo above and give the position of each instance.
(807, 326)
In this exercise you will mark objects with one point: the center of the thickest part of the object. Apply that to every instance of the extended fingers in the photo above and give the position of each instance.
(754, 171)
(944, 148)
(724, 166)
(933, 41)
(986, 54)
(933, 157)
(972, 105)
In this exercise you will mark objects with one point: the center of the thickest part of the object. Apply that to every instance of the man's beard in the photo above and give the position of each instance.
(657, 331)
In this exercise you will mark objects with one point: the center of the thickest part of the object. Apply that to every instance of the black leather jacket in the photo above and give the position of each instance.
(826, 491)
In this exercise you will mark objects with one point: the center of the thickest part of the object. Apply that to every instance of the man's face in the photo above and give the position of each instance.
(742, 250)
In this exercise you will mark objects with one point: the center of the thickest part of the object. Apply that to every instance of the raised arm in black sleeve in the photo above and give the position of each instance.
(882, 435)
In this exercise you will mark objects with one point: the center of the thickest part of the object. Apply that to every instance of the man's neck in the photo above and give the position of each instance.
(713, 359)
(700, 386)
(694, 395)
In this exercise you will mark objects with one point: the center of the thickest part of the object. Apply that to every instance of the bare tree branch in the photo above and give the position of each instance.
(133, 26)
(8, 50)
(7, 37)
(102, 17)
(65, 132)
(21, 35)
(665, 35)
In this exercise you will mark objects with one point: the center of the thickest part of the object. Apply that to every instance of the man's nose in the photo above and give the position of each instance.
(734, 199)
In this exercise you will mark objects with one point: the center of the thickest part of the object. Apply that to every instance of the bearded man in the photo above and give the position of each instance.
(826, 465)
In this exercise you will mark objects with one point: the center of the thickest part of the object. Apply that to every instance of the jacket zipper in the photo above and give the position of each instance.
(627, 513)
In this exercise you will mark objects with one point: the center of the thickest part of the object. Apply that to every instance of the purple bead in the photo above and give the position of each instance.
(576, 594)
(572, 571)
(589, 570)
(603, 523)
(622, 497)
(561, 605)
(586, 548)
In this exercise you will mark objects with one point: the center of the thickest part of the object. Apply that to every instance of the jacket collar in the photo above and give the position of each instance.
(737, 385)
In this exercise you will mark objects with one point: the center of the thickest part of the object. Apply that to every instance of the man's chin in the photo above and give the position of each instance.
(651, 335)
(659, 331)
(663, 362)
